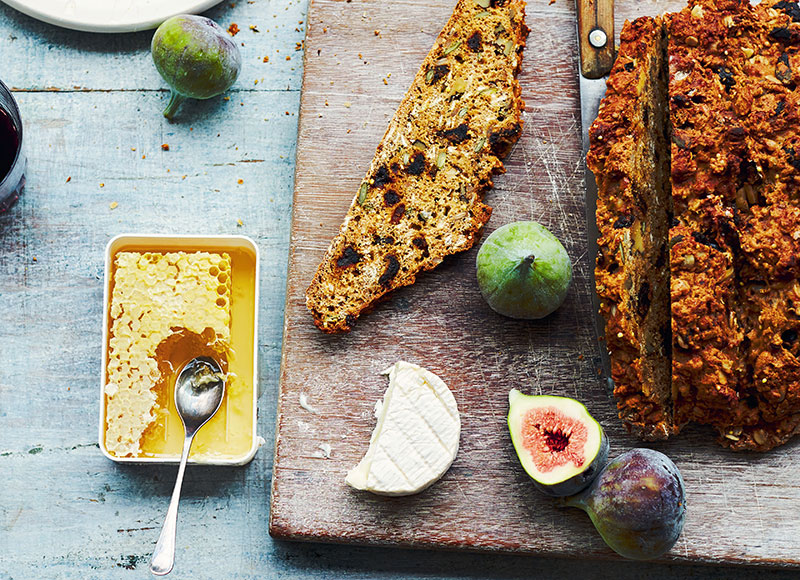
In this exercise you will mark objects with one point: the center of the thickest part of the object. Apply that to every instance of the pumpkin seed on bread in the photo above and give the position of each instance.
(422, 197)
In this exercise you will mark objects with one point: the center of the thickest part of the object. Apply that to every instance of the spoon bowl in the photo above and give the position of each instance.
(199, 390)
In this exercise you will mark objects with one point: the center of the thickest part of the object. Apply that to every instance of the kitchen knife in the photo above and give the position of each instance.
(596, 56)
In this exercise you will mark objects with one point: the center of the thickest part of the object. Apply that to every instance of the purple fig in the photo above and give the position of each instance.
(637, 503)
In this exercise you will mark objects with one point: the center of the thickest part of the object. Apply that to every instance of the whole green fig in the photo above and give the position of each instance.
(637, 503)
(196, 58)
(523, 271)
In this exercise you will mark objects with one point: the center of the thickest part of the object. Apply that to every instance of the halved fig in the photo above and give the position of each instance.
(560, 445)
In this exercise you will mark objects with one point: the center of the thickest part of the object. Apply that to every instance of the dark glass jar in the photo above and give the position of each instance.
(12, 158)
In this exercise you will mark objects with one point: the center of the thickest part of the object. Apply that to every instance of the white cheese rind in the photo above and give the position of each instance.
(416, 438)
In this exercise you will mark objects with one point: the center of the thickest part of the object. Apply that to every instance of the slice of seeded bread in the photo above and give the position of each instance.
(629, 157)
(421, 199)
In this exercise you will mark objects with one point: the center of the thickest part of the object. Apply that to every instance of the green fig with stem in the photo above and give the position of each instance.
(196, 57)
(523, 270)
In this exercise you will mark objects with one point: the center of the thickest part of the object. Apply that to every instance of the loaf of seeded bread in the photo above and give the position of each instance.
(422, 197)
(628, 156)
(731, 199)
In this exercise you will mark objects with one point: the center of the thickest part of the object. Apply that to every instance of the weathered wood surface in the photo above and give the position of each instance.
(87, 102)
(65, 511)
(741, 507)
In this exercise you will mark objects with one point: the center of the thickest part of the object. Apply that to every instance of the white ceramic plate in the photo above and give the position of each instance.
(108, 15)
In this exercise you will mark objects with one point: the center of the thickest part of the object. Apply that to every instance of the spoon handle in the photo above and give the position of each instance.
(164, 555)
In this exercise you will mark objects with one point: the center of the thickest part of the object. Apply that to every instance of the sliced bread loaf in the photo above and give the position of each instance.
(422, 197)
(732, 201)
(629, 156)
(743, 146)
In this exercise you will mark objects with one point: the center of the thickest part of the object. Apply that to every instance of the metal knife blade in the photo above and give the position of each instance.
(592, 91)
(596, 50)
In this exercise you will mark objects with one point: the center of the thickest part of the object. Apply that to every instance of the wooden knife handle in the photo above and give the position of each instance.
(596, 37)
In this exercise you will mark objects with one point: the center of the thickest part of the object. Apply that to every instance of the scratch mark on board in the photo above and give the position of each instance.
(758, 509)
(458, 485)
(129, 530)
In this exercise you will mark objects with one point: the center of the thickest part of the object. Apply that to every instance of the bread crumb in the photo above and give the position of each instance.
(240, 181)
(165, 147)
(254, 28)
(102, 185)
(377, 33)
(233, 29)
(239, 223)
(113, 205)
(69, 178)
(347, 104)
(266, 59)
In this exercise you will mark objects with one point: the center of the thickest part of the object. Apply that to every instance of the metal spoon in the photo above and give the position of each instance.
(198, 395)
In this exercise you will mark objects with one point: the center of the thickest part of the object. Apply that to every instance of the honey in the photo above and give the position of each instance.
(229, 437)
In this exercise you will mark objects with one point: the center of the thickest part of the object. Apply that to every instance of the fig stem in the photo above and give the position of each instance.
(566, 502)
(175, 101)
(526, 264)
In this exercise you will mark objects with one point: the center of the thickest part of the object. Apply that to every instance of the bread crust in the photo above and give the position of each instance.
(422, 197)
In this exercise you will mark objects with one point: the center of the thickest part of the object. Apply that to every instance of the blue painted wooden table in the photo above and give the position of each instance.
(94, 134)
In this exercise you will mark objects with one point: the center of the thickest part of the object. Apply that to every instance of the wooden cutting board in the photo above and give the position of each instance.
(360, 57)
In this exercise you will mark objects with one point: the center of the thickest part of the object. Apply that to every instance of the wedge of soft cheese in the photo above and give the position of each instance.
(416, 438)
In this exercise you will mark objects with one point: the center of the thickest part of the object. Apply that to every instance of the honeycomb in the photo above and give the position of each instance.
(156, 296)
